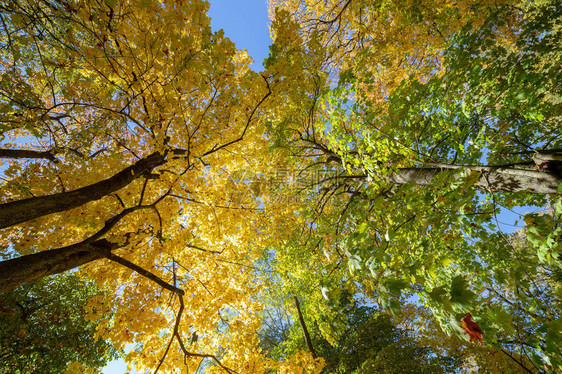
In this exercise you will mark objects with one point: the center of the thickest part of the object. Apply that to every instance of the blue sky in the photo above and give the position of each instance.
(246, 23)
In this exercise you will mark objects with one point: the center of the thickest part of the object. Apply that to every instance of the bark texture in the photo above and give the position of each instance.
(491, 179)
(16, 212)
(29, 268)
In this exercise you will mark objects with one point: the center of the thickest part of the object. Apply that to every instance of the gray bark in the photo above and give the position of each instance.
(491, 179)
(16, 212)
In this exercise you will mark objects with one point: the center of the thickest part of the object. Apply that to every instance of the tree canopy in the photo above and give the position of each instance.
(371, 157)
(44, 328)
(369, 343)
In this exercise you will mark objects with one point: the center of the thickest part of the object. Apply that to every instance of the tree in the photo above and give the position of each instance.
(93, 114)
(416, 168)
(139, 144)
(44, 329)
(119, 122)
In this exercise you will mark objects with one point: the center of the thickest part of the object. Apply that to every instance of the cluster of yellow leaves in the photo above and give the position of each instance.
(112, 83)
(301, 363)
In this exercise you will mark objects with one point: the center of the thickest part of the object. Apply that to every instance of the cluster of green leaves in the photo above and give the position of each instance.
(493, 104)
(43, 328)
(499, 94)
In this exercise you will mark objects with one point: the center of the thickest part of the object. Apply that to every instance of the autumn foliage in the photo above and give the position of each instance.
(471, 328)
(370, 158)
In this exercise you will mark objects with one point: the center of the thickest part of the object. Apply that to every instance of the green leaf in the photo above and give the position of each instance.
(354, 263)
(502, 319)
(460, 293)
(395, 286)
(363, 226)
(438, 294)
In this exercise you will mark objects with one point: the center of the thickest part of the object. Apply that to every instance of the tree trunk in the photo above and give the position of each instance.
(29, 268)
(491, 179)
(21, 153)
(24, 210)
(304, 329)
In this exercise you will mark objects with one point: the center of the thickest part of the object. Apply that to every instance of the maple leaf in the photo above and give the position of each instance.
(471, 328)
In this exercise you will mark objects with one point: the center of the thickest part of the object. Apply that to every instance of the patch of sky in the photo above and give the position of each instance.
(246, 23)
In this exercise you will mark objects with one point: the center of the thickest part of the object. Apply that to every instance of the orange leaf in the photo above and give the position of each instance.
(471, 328)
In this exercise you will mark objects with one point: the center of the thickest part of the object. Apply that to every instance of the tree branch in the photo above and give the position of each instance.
(337, 17)
(493, 180)
(176, 334)
(28, 268)
(16, 212)
(215, 149)
(145, 273)
(23, 153)
(516, 360)
(31, 267)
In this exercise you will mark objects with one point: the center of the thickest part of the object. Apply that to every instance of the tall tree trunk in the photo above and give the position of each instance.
(29, 268)
(304, 329)
(24, 210)
(491, 179)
